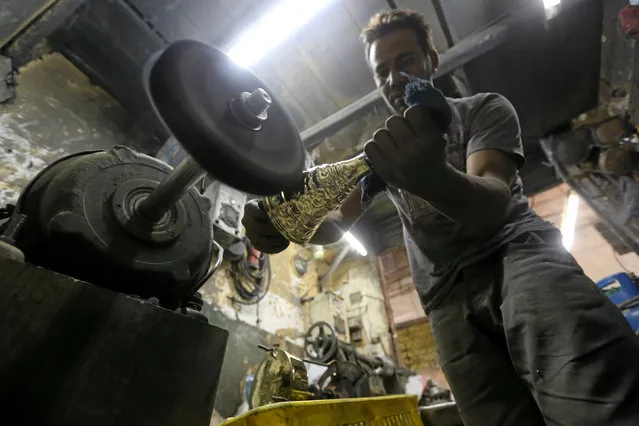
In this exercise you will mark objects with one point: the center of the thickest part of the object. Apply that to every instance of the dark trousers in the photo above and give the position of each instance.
(525, 338)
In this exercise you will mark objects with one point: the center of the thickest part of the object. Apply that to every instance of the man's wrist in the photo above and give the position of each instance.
(440, 184)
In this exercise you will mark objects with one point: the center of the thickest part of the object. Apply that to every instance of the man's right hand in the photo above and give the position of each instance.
(260, 231)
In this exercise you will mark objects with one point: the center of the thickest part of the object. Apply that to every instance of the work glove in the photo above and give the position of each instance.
(260, 231)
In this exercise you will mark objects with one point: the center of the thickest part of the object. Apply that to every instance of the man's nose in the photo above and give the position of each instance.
(397, 78)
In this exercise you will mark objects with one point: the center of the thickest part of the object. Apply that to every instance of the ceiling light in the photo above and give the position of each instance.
(569, 220)
(355, 244)
(549, 4)
(276, 26)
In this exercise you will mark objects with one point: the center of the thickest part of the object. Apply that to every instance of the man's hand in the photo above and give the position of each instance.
(409, 152)
(260, 231)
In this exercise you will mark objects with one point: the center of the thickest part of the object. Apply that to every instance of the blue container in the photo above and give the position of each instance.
(620, 288)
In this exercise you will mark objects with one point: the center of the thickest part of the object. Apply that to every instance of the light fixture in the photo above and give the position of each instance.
(569, 220)
(549, 4)
(355, 244)
(276, 26)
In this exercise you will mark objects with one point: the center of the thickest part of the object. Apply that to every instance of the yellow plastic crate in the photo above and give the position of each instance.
(400, 410)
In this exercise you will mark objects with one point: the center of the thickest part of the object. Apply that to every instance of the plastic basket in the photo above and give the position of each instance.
(398, 410)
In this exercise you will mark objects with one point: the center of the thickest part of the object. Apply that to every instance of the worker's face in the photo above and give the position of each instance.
(394, 54)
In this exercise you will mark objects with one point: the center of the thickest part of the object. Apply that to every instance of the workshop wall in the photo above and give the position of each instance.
(414, 340)
(281, 312)
(280, 318)
(56, 112)
(357, 281)
(416, 347)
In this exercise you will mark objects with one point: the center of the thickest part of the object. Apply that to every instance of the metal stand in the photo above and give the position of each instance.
(75, 354)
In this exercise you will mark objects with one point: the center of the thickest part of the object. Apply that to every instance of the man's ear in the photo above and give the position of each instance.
(434, 59)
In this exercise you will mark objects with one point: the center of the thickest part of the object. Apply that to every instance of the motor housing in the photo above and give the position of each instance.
(81, 220)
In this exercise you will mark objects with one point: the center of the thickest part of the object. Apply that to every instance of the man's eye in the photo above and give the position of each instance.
(407, 61)
(382, 74)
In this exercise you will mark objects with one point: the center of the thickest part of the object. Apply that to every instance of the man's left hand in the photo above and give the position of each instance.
(409, 153)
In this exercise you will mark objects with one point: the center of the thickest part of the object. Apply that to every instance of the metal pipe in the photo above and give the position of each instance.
(338, 260)
(171, 189)
(468, 49)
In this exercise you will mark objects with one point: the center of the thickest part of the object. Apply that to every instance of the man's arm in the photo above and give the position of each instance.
(480, 198)
(340, 221)
(410, 153)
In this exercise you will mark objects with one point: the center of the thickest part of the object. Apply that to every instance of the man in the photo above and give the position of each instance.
(523, 336)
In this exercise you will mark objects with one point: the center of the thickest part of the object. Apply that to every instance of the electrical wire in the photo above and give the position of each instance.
(251, 282)
(209, 273)
(616, 256)
(5, 215)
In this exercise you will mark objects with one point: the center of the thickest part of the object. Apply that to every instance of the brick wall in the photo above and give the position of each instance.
(417, 349)
(416, 345)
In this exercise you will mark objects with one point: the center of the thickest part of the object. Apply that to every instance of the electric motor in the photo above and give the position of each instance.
(82, 220)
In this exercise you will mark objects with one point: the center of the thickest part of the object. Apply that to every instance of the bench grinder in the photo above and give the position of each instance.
(127, 222)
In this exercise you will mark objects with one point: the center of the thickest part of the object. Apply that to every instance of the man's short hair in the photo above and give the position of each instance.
(387, 21)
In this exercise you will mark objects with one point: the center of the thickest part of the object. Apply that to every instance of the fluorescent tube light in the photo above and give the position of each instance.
(273, 28)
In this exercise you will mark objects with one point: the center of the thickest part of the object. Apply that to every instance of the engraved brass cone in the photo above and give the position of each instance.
(298, 215)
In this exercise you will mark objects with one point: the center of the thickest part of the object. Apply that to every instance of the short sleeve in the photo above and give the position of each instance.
(494, 125)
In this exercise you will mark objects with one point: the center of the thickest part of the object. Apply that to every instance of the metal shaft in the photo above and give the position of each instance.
(171, 189)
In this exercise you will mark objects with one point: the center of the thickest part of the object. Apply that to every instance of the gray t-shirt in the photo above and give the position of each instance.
(436, 245)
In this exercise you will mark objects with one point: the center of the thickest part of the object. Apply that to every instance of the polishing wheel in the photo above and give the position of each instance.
(128, 222)
(226, 118)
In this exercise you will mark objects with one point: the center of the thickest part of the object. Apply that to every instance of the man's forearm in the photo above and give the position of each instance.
(339, 221)
(329, 232)
(478, 202)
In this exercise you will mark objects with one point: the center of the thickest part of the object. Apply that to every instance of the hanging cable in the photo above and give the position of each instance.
(251, 275)
(5, 215)
(620, 262)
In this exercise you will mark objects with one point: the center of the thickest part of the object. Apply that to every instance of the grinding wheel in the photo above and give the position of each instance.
(194, 88)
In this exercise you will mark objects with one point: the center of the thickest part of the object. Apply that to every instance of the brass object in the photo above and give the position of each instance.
(280, 377)
(297, 215)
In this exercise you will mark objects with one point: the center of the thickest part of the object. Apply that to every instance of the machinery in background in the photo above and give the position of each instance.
(344, 372)
(623, 290)
(433, 394)
(330, 308)
(121, 351)
(600, 161)
(250, 272)
(227, 209)
(283, 377)
(128, 222)
(350, 374)
(280, 377)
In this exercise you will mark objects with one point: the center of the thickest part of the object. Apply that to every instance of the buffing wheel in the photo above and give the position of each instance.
(203, 98)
